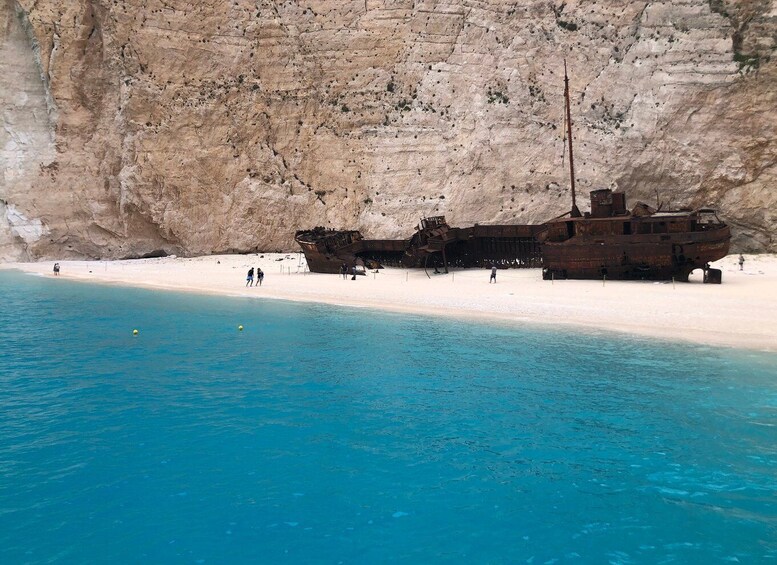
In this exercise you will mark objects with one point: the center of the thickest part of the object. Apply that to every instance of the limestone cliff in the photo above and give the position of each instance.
(200, 126)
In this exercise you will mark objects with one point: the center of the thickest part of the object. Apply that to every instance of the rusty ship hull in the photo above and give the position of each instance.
(434, 245)
(614, 243)
(326, 250)
(642, 258)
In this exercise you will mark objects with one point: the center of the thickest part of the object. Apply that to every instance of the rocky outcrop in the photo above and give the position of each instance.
(134, 126)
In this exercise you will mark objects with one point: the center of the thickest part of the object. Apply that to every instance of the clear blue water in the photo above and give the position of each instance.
(333, 435)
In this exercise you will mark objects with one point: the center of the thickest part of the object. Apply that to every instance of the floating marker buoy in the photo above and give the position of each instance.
(240, 328)
(134, 332)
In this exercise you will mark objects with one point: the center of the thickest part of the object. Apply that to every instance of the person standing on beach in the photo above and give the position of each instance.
(344, 271)
(259, 276)
(250, 277)
(741, 262)
(493, 275)
(56, 269)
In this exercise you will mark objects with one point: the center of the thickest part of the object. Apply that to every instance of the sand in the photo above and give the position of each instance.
(741, 312)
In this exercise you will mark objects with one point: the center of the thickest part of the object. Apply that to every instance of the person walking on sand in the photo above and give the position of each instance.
(493, 275)
(250, 277)
(344, 271)
(259, 276)
(56, 269)
(741, 262)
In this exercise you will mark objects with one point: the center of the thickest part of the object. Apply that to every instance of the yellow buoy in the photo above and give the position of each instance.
(134, 332)
(240, 328)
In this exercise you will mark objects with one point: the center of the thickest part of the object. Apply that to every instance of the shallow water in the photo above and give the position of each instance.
(322, 434)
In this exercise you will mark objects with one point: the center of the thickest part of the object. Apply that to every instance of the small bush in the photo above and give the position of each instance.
(495, 96)
(747, 62)
(569, 26)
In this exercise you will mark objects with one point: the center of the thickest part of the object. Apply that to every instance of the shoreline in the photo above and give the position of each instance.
(740, 313)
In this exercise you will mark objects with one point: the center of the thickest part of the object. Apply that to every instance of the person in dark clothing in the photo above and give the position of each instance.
(344, 271)
(259, 276)
(56, 269)
(250, 277)
(493, 275)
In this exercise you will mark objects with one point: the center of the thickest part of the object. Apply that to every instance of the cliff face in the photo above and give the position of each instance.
(205, 126)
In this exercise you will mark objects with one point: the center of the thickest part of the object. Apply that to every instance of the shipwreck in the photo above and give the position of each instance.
(434, 244)
(609, 242)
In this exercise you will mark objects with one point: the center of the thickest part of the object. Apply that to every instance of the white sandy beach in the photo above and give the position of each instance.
(741, 312)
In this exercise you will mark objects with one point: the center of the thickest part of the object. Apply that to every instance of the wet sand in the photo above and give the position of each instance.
(741, 312)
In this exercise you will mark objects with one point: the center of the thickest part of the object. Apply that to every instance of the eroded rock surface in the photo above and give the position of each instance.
(132, 126)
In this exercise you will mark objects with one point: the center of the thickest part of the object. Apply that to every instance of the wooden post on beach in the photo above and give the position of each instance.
(672, 282)
(453, 276)
(604, 279)
(406, 274)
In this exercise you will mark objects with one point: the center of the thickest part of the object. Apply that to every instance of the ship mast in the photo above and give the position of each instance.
(575, 212)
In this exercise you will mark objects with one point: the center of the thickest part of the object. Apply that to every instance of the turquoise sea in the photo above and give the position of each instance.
(332, 435)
